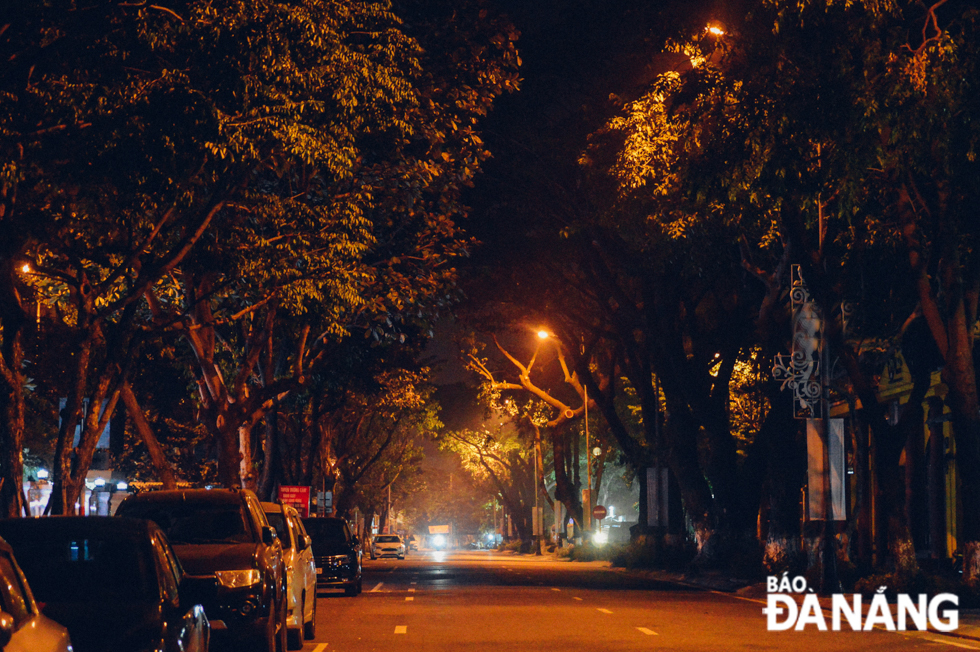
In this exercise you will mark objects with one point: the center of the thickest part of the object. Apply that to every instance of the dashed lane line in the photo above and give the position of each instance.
(648, 632)
(411, 590)
(401, 629)
(377, 587)
(605, 611)
(556, 589)
(579, 599)
(320, 648)
(409, 599)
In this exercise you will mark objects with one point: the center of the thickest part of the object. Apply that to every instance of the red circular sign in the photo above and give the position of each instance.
(599, 512)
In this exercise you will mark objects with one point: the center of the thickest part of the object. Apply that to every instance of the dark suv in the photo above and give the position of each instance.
(336, 553)
(232, 558)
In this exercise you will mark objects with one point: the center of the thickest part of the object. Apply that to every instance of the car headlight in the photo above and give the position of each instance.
(237, 579)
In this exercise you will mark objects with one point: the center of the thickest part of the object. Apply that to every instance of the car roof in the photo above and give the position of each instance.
(90, 526)
(275, 508)
(211, 496)
(323, 518)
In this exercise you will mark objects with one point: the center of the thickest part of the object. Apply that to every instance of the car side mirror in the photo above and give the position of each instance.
(304, 543)
(269, 535)
(6, 628)
(355, 541)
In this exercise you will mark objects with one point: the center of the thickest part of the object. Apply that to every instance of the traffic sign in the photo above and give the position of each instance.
(599, 512)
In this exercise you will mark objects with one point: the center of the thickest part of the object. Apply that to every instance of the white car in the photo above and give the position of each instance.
(22, 626)
(388, 545)
(297, 552)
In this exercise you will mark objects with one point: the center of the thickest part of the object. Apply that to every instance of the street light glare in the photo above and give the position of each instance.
(543, 334)
(716, 31)
(26, 268)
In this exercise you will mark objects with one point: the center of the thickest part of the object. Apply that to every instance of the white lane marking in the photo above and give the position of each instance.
(556, 589)
(414, 582)
(320, 648)
(401, 629)
(409, 599)
(648, 632)
(605, 611)
(377, 588)
(579, 599)
(411, 590)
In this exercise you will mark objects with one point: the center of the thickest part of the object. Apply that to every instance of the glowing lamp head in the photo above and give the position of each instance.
(543, 334)
(715, 28)
(26, 268)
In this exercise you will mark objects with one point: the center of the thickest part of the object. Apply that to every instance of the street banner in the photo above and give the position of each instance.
(298, 497)
(820, 449)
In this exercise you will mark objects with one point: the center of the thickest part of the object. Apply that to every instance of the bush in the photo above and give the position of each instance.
(655, 552)
(514, 545)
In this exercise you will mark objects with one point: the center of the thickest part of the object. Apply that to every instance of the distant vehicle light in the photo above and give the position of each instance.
(490, 536)
(100, 482)
(122, 486)
(42, 474)
(600, 538)
(439, 541)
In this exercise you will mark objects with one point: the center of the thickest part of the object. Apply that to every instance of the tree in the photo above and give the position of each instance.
(326, 146)
(500, 466)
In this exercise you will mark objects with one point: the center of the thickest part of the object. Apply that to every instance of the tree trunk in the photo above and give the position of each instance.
(936, 480)
(786, 473)
(157, 456)
(12, 410)
(695, 492)
(565, 490)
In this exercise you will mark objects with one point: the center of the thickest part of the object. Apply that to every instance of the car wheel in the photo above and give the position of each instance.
(350, 590)
(309, 629)
(402, 557)
(269, 644)
(294, 637)
(281, 643)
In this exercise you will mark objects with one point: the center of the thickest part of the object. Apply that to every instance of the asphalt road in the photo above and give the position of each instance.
(498, 602)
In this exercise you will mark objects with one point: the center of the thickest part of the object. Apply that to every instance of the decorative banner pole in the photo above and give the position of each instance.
(806, 371)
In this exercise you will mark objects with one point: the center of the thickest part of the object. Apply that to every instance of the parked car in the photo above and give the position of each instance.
(297, 551)
(413, 543)
(113, 582)
(336, 553)
(23, 628)
(232, 557)
(388, 545)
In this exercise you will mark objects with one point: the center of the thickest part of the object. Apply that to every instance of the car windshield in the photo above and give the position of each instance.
(278, 521)
(329, 535)
(80, 569)
(196, 522)
(387, 539)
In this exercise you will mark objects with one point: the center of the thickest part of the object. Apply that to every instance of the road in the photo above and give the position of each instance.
(497, 602)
